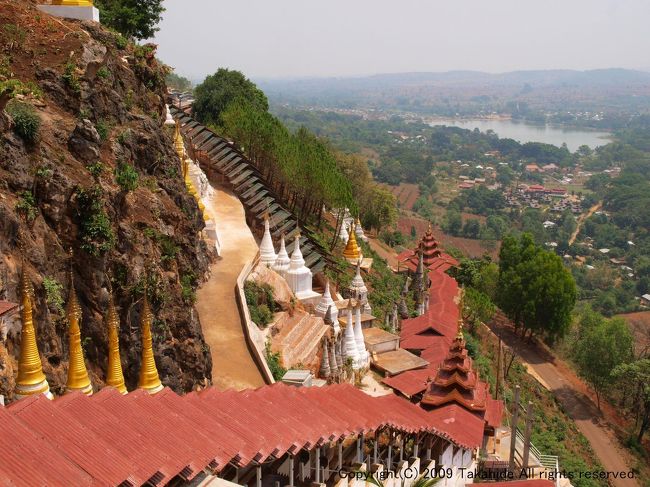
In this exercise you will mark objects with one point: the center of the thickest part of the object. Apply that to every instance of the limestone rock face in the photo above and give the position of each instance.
(84, 142)
(281, 291)
(154, 227)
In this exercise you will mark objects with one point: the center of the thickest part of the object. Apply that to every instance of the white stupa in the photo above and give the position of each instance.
(169, 120)
(267, 251)
(343, 233)
(358, 230)
(349, 342)
(358, 337)
(359, 290)
(281, 265)
(325, 303)
(299, 276)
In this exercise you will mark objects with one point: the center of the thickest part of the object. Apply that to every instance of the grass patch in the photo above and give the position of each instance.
(27, 122)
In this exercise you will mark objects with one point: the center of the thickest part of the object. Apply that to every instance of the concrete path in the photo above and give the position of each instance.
(564, 384)
(233, 366)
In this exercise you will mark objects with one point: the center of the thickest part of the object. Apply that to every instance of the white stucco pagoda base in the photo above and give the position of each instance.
(71, 12)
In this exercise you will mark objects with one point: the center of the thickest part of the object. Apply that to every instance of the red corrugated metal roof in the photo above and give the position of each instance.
(460, 424)
(6, 306)
(108, 438)
(28, 459)
(90, 452)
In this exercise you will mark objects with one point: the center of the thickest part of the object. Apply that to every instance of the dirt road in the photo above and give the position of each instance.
(582, 219)
(233, 366)
(566, 387)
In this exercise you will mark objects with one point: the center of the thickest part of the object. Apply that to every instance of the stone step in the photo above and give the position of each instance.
(291, 328)
(302, 351)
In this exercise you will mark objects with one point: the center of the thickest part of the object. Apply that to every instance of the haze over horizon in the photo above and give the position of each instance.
(297, 39)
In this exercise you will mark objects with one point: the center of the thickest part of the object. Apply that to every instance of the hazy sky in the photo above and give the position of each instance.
(287, 38)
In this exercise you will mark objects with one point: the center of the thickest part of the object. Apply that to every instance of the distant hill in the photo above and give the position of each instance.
(558, 77)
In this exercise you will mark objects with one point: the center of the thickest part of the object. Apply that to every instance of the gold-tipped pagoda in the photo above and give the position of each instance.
(149, 379)
(114, 374)
(31, 379)
(78, 379)
(352, 252)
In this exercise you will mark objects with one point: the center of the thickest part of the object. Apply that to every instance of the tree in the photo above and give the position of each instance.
(602, 347)
(381, 209)
(453, 222)
(534, 288)
(178, 82)
(634, 378)
(132, 18)
(471, 228)
(478, 307)
(218, 91)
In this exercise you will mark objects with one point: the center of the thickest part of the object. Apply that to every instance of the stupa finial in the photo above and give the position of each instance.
(78, 379)
(31, 379)
(114, 373)
(149, 379)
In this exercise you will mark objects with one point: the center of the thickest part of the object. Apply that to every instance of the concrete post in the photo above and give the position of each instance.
(416, 448)
(258, 475)
(317, 466)
(292, 468)
(429, 453)
(513, 433)
(359, 451)
(529, 427)
(375, 455)
(389, 460)
(340, 454)
(236, 479)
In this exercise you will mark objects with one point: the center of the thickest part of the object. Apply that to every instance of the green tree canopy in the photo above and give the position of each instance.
(603, 345)
(219, 90)
(132, 18)
(534, 288)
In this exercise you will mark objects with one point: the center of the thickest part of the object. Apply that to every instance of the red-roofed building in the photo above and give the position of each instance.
(432, 254)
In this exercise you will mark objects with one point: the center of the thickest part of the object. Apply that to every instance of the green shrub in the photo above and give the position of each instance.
(261, 315)
(26, 121)
(126, 176)
(96, 232)
(103, 129)
(273, 361)
(188, 281)
(103, 72)
(70, 77)
(53, 294)
(96, 169)
(26, 206)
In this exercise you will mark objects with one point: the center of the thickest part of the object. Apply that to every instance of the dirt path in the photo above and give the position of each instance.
(582, 219)
(569, 390)
(232, 364)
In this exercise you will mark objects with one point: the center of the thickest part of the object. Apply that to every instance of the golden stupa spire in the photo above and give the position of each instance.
(461, 309)
(149, 379)
(179, 145)
(78, 379)
(73, 3)
(31, 379)
(352, 250)
(114, 374)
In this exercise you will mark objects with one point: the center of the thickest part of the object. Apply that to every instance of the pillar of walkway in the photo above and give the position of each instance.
(292, 472)
(375, 453)
(529, 429)
(317, 466)
(359, 452)
(258, 475)
(340, 454)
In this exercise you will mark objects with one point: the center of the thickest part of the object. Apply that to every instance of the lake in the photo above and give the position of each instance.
(524, 132)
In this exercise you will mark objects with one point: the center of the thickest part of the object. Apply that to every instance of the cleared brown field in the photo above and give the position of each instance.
(640, 326)
(406, 194)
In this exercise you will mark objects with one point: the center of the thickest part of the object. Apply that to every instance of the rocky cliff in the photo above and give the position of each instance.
(98, 175)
